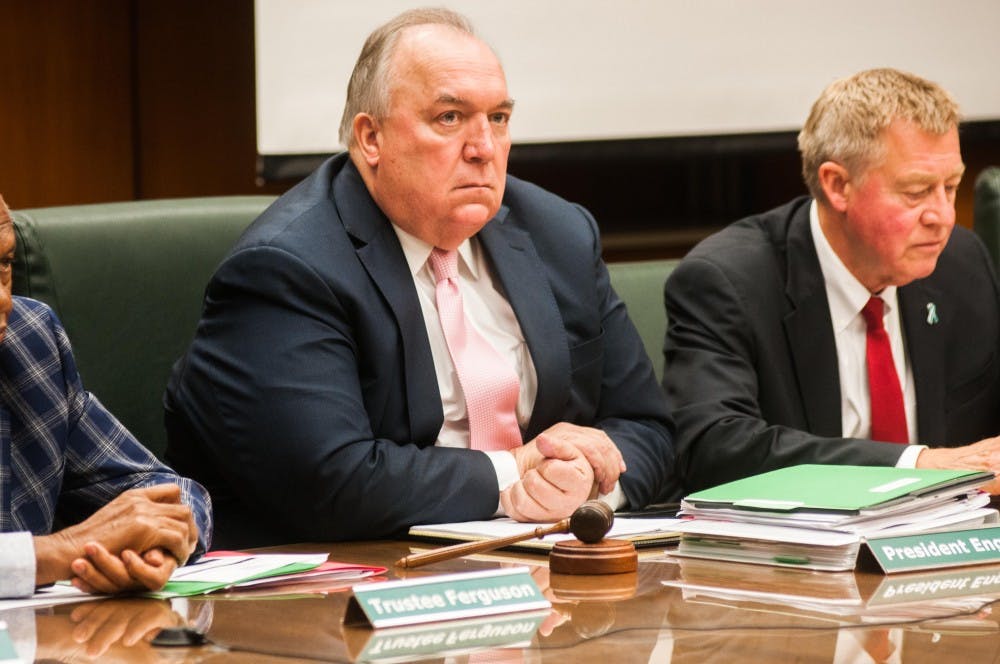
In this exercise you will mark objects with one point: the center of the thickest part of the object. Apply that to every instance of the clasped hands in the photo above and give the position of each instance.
(559, 470)
(134, 542)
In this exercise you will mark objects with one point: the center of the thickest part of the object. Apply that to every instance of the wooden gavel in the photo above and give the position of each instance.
(589, 523)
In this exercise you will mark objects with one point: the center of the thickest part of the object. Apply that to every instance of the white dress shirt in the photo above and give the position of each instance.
(17, 564)
(489, 312)
(847, 297)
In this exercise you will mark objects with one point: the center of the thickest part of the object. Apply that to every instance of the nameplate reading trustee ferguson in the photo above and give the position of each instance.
(445, 597)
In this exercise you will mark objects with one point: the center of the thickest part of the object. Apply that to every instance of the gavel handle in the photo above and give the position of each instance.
(466, 548)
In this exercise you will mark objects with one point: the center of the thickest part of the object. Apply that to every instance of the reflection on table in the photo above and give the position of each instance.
(671, 610)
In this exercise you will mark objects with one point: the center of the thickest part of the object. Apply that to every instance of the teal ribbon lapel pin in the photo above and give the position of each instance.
(932, 317)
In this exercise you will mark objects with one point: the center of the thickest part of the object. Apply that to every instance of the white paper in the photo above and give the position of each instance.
(244, 567)
(60, 593)
(767, 533)
(622, 527)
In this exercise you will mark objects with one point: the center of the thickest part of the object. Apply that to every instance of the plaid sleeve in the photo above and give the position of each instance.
(103, 458)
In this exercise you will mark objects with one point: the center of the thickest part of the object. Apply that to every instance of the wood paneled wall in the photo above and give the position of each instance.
(107, 100)
(194, 86)
(66, 130)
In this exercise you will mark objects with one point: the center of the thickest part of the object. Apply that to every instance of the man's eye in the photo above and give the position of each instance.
(451, 117)
(500, 118)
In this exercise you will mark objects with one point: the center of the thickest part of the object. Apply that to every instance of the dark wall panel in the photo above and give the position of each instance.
(66, 115)
(195, 105)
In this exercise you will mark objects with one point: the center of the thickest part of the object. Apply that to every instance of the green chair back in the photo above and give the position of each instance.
(640, 285)
(127, 281)
(986, 210)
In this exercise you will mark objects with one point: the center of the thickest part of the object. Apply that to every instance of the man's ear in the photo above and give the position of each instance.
(366, 137)
(835, 181)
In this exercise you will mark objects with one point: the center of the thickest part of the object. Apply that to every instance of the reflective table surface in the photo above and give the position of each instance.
(671, 610)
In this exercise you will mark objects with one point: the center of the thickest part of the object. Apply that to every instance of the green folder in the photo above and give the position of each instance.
(182, 588)
(834, 489)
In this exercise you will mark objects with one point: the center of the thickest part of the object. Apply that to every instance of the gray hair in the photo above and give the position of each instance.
(368, 90)
(845, 124)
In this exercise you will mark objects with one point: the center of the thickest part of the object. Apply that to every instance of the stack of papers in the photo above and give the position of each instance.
(230, 570)
(817, 516)
(769, 545)
(641, 531)
(257, 574)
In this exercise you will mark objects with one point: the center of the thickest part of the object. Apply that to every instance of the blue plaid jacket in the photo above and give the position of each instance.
(62, 454)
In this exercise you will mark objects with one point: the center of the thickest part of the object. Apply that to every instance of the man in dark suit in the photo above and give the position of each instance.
(320, 398)
(766, 347)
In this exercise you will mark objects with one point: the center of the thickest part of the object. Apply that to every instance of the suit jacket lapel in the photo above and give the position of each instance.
(379, 251)
(810, 331)
(923, 335)
(521, 274)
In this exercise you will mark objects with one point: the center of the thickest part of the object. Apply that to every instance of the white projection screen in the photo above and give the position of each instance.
(582, 70)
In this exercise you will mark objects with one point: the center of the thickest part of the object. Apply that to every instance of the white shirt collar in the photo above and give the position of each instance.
(417, 252)
(847, 296)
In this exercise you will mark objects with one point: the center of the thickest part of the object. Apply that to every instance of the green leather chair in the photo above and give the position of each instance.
(986, 210)
(127, 280)
(640, 286)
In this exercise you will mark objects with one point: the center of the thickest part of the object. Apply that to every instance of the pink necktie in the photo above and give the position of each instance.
(888, 414)
(491, 387)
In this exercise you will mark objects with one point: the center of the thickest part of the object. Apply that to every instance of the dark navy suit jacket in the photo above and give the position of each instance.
(751, 363)
(308, 401)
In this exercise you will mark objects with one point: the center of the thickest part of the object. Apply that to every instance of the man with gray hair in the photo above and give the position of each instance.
(412, 336)
(827, 329)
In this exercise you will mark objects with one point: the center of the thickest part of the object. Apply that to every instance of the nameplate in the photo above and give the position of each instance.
(936, 550)
(445, 597)
(444, 639)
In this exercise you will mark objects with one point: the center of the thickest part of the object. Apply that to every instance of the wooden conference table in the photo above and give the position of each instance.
(628, 618)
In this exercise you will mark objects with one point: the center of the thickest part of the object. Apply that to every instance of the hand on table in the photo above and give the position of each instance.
(597, 448)
(552, 488)
(102, 572)
(982, 455)
(138, 520)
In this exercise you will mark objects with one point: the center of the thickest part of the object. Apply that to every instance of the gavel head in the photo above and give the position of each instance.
(591, 521)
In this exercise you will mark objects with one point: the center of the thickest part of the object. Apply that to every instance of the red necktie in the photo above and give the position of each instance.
(888, 413)
(491, 387)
